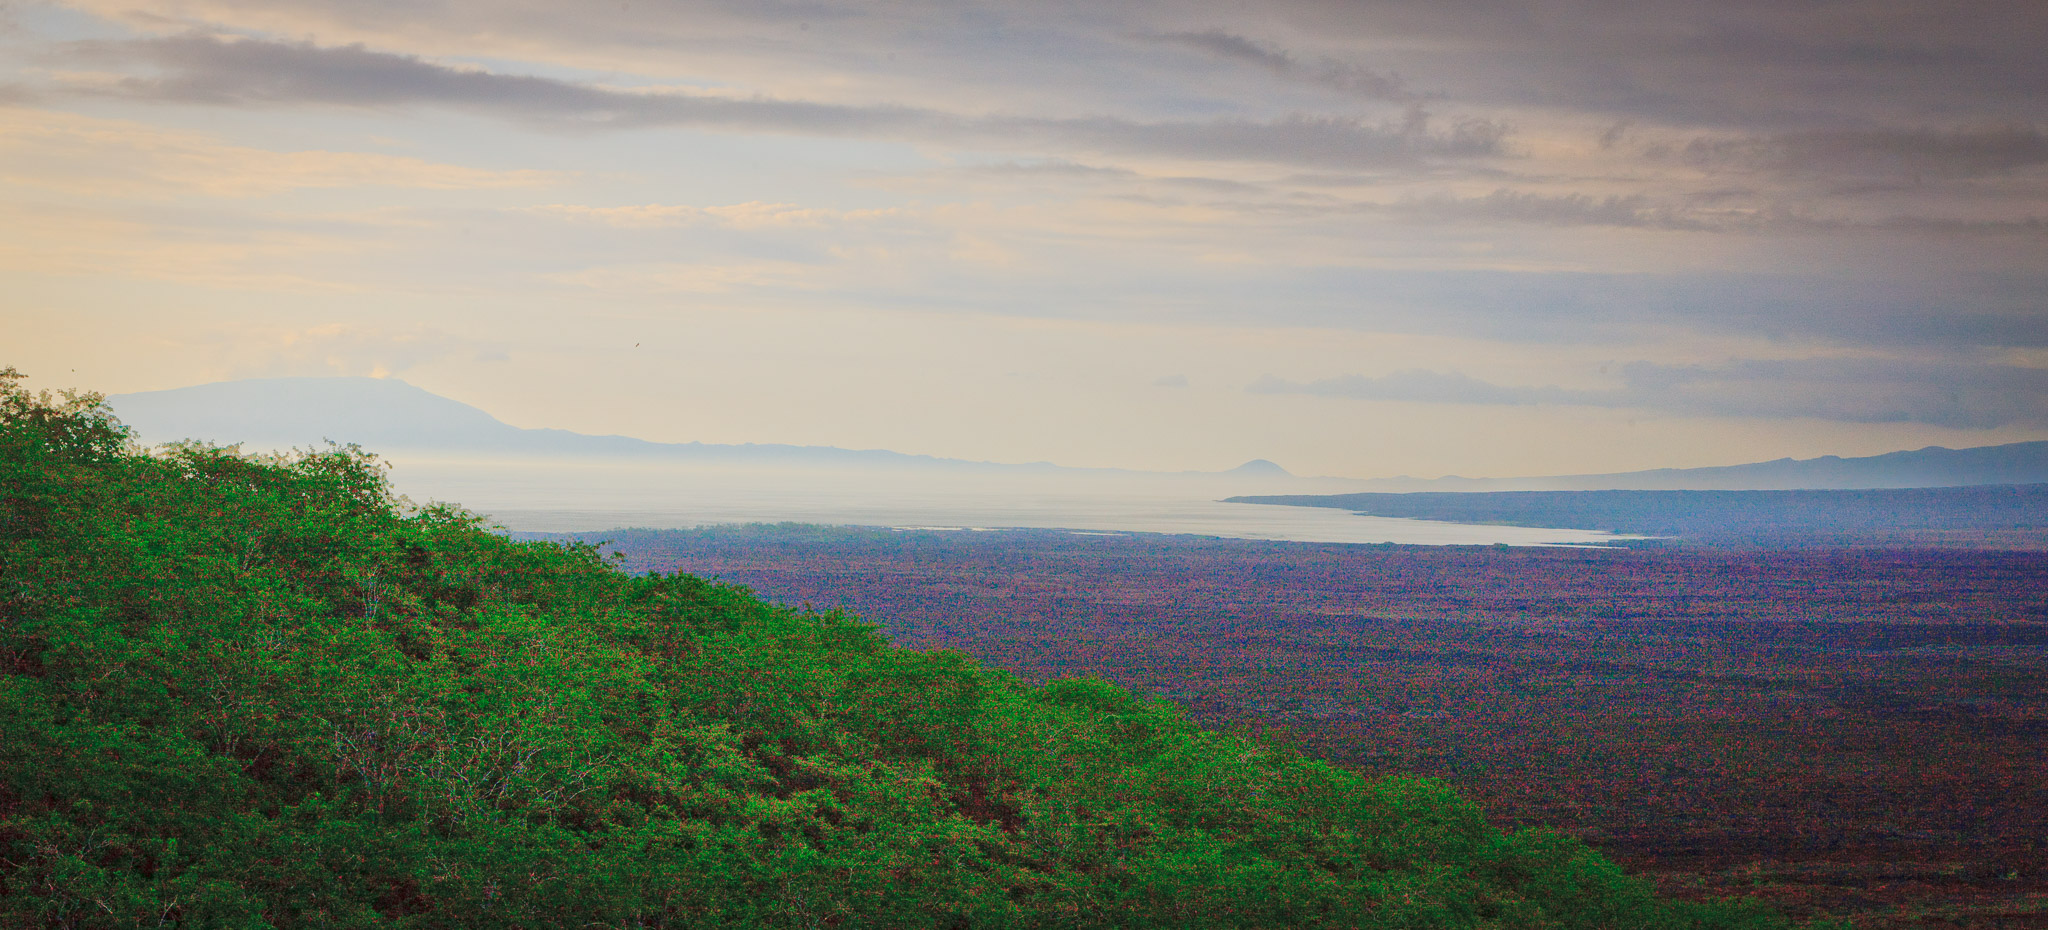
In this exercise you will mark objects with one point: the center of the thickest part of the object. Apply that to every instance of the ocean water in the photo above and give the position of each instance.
(585, 497)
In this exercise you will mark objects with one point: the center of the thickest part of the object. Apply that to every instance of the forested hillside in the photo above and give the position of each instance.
(240, 692)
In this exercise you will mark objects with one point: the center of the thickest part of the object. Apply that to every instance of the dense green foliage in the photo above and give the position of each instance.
(241, 692)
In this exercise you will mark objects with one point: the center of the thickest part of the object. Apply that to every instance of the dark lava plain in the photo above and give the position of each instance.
(1854, 732)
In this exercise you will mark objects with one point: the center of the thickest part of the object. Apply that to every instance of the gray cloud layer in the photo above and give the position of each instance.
(1852, 390)
(1912, 306)
(197, 69)
(1895, 148)
(1762, 65)
(1335, 75)
(1755, 64)
(1893, 152)
(1634, 210)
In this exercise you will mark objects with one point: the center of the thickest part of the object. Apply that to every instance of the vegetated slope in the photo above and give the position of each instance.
(2015, 515)
(243, 693)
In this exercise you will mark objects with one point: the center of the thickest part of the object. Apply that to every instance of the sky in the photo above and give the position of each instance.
(1421, 237)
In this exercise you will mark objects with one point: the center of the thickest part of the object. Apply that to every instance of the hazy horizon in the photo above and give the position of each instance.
(392, 417)
(551, 479)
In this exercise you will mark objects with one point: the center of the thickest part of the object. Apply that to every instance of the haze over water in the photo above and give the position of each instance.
(587, 497)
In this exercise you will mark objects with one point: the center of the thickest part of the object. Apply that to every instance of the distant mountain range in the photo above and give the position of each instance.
(395, 418)
(1932, 467)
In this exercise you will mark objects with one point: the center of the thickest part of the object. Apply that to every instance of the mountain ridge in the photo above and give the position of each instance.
(396, 417)
(1929, 466)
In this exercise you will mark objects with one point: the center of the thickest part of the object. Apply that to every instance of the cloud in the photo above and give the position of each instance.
(200, 69)
(1052, 167)
(1911, 305)
(1329, 73)
(106, 157)
(1947, 153)
(743, 216)
(1738, 65)
(1420, 386)
(1855, 390)
(1060, 169)
(201, 248)
(1632, 210)
(1172, 381)
(351, 349)
(1859, 390)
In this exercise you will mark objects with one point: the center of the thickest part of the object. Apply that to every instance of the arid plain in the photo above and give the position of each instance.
(1847, 732)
